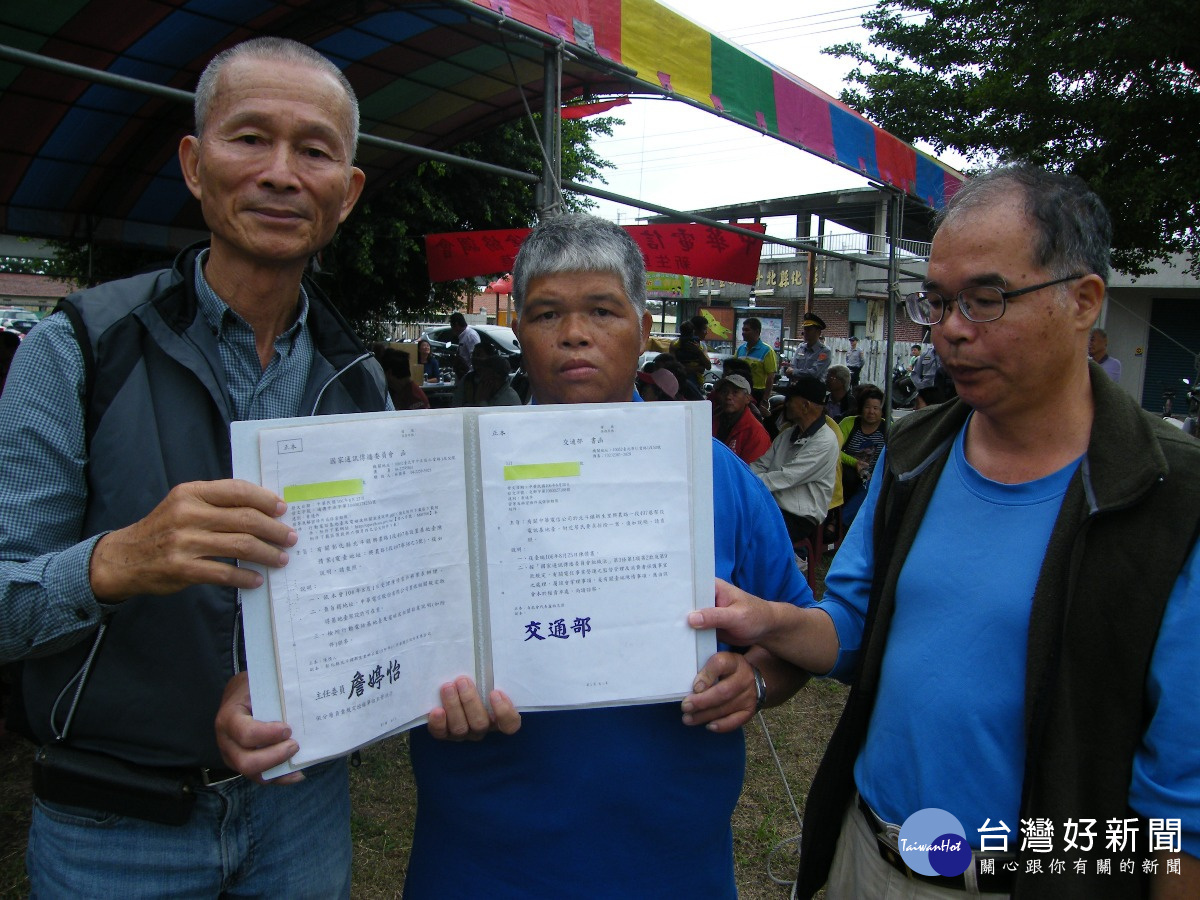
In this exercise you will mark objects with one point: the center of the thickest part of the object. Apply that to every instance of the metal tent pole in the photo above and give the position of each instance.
(549, 190)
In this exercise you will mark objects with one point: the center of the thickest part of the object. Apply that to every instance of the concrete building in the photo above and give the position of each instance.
(1153, 326)
(36, 293)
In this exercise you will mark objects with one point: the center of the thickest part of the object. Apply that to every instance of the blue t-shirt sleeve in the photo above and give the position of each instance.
(752, 548)
(1166, 768)
(848, 582)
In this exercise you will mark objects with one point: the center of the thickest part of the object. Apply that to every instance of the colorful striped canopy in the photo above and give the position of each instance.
(667, 50)
(81, 159)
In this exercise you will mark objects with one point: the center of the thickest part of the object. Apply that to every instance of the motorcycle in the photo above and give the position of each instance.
(904, 390)
(1189, 424)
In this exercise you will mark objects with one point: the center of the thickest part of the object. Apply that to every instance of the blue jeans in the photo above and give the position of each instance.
(243, 840)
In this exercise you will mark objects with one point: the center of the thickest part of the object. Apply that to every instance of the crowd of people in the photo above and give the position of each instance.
(811, 471)
(482, 376)
(1014, 605)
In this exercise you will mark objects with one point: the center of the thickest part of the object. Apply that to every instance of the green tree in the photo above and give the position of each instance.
(1105, 90)
(376, 269)
(87, 265)
(20, 266)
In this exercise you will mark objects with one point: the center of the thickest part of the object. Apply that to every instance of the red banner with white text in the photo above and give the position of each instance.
(699, 250)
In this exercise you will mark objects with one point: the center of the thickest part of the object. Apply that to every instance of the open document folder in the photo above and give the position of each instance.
(552, 552)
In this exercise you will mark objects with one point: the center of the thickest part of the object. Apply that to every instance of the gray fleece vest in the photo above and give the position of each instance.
(157, 415)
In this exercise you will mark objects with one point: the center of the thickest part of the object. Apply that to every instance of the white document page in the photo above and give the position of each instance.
(376, 596)
(592, 563)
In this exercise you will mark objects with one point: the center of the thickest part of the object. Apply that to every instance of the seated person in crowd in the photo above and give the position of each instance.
(487, 384)
(733, 424)
(654, 384)
(405, 392)
(840, 402)
(866, 435)
(688, 390)
(735, 365)
(836, 499)
(776, 419)
(429, 364)
(800, 467)
(691, 353)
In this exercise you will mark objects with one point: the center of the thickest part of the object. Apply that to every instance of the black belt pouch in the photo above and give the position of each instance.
(68, 775)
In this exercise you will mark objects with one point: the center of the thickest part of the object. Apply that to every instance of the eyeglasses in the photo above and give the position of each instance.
(977, 304)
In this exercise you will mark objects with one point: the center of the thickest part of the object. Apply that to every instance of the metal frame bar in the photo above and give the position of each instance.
(14, 54)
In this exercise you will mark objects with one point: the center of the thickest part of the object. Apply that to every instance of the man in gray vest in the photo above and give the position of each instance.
(1018, 603)
(121, 526)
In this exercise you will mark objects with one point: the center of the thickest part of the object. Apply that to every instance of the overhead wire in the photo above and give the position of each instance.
(743, 33)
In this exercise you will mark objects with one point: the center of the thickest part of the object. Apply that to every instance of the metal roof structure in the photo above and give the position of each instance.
(859, 209)
(95, 94)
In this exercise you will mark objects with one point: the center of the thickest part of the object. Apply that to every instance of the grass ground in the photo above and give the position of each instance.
(384, 801)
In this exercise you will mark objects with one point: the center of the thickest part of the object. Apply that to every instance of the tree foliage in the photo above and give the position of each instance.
(376, 267)
(87, 265)
(19, 265)
(1105, 90)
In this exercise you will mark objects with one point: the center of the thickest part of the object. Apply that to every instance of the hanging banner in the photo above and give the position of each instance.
(698, 250)
(465, 254)
(583, 110)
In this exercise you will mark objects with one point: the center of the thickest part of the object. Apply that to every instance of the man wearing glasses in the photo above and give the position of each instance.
(1018, 602)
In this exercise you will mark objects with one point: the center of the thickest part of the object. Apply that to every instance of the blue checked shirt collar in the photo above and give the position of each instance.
(257, 393)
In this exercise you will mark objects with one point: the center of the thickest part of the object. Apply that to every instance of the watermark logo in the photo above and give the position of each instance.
(933, 842)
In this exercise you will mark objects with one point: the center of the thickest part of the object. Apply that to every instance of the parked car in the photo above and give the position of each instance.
(19, 320)
(500, 337)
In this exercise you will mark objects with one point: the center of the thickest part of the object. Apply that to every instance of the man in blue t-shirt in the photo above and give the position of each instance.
(616, 802)
(1018, 600)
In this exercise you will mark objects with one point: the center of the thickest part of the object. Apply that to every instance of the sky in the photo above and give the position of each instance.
(675, 155)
